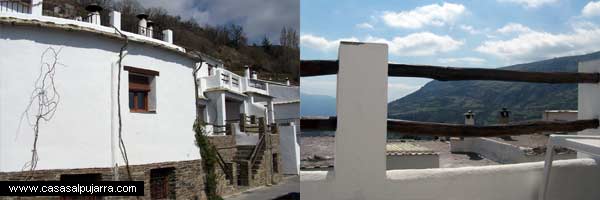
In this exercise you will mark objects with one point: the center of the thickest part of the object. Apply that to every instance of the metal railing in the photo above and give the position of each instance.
(15, 6)
(257, 84)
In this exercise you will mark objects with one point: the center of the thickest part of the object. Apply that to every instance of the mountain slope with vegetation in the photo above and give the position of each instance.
(227, 42)
(439, 101)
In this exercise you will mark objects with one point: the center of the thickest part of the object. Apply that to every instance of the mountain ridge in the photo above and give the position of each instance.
(446, 102)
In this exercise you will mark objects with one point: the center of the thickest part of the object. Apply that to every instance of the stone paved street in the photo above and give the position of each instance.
(289, 189)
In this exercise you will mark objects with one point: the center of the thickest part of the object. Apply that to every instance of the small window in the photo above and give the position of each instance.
(162, 183)
(139, 88)
(142, 89)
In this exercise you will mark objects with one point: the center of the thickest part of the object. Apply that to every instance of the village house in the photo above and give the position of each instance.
(64, 114)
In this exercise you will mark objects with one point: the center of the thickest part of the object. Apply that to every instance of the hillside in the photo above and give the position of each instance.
(227, 42)
(447, 101)
(316, 105)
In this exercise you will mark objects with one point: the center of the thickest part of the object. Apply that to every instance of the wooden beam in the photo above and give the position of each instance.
(330, 67)
(461, 130)
(318, 67)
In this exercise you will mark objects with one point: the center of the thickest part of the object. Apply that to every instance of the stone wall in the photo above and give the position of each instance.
(189, 181)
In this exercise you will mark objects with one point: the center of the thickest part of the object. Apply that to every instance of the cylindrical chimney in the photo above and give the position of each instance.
(94, 16)
(504, 117)
(254, 75)
(142, 24)
(470, 118)
(246, 71)
(150, 28)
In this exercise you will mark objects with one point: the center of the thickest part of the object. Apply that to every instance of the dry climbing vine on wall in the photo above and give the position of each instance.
(43, 101)
(121, 142)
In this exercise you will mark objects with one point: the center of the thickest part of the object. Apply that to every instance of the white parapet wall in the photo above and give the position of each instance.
(360, 170)
(422, 161)
(571, 179)
(498, 151)
(289, 149)
(588, 102)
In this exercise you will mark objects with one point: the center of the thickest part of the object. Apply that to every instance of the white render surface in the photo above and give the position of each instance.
(570, 179)
(588, 103)
(360, 163)
(79, 135)
(498, 151)
(289, 148)
(559, 115)
(424, 161)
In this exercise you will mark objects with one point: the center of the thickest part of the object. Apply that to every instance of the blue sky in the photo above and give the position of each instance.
(487, 34)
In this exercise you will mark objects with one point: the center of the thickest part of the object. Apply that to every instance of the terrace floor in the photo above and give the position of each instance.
(318, 151)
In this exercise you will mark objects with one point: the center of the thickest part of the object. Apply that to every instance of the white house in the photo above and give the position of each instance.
(66, 73)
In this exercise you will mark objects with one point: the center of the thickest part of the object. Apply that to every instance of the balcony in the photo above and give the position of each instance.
(224, 79)
(15, 6)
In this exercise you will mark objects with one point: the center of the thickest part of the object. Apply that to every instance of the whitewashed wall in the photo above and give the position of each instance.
(360, 172)
(79, 135)
(290, 149)
(412, 161)
(559, 116)
(570, 179)
(500, 152)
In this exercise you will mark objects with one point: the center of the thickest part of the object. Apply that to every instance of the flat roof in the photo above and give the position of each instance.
(400, 148)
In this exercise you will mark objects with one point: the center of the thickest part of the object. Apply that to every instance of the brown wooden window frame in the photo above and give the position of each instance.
(140, 85)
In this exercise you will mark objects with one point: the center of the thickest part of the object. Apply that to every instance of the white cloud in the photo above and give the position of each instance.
(591, 9)
(514, 28)
(530, 3)
(321, 43)
(469, 29)
(434, 15)
(419, 44)
(535, 45)
(416, 44)
(462, 61)
(364, 26)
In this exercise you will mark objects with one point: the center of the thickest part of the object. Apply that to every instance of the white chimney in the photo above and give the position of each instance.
(504, 116)
(115, 19)
(246, 71)
(142, 24)
(150, 28)
(254, 75)
(470, 118)
(168, 36)
(94, 16)
(36, 7)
